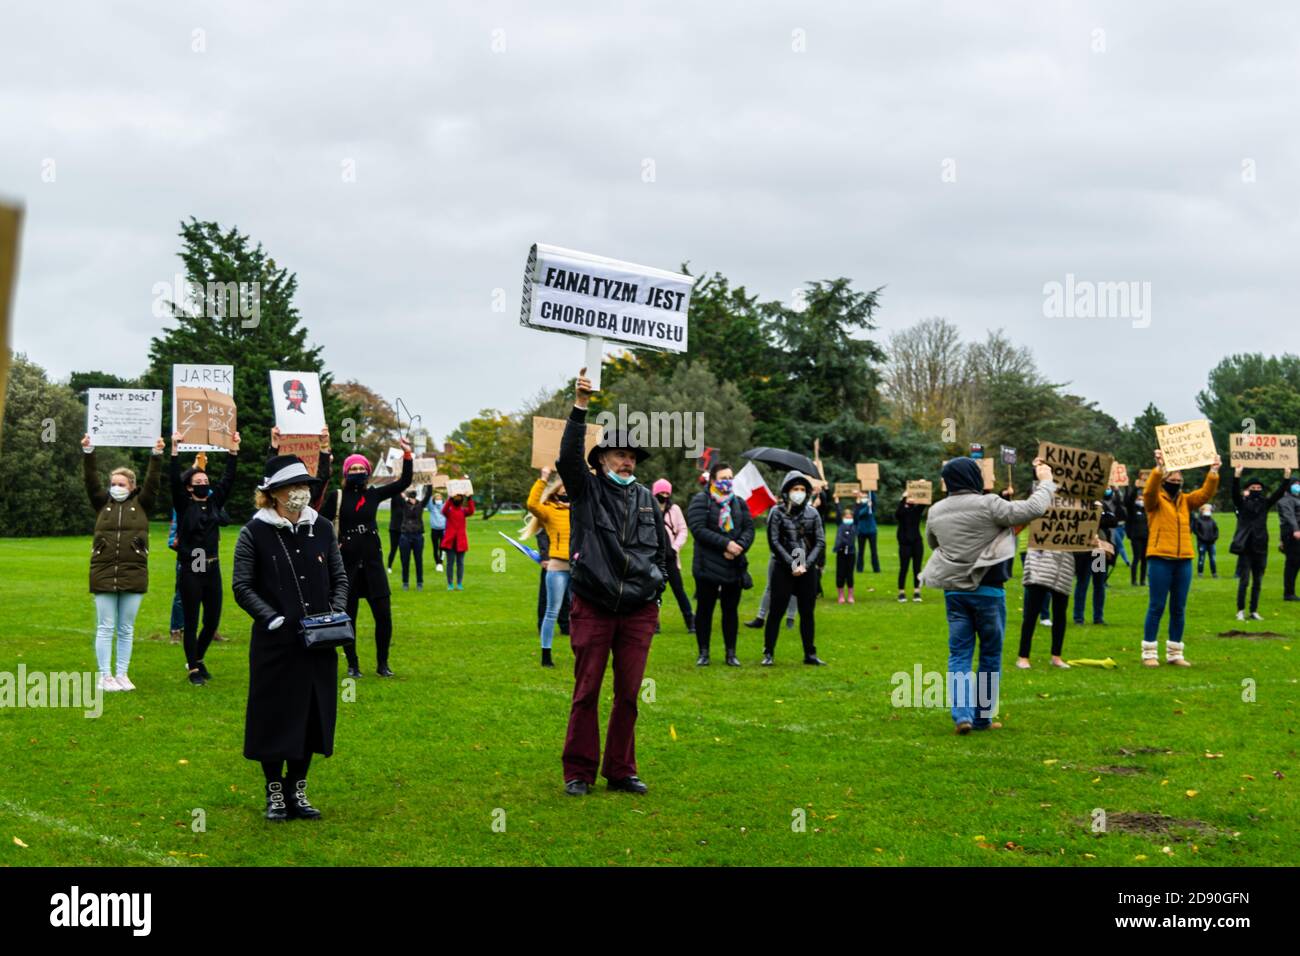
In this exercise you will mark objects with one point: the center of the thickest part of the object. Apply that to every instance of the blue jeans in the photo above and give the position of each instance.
(1202, 549)
(557, 585)
(1117, 535)
(1168, 579)
(981, 613)
(115, 613)
(178, 609)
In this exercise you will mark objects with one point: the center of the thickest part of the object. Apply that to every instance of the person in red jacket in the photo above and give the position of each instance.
(455, 540)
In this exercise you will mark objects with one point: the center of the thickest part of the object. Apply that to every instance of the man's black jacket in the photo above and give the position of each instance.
(618, 548)
(1252, 518)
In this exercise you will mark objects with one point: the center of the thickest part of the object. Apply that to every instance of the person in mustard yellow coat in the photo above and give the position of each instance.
(1169, 555)
(549, 505)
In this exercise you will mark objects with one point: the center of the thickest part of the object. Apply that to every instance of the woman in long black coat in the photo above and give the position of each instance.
(723, 531)
(287, 566)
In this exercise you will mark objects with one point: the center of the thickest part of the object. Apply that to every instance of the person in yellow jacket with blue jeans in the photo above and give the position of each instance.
(549, 504)
(1169, 555)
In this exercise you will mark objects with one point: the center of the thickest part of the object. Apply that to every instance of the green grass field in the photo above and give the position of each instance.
(473, 726)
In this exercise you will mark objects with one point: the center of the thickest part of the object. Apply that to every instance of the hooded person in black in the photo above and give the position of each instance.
(1250, 540)
(911, 545)
(797, 540)
(1135, 511)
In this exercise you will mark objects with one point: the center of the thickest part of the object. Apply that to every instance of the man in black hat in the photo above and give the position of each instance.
(619, 558)
(1250, 541)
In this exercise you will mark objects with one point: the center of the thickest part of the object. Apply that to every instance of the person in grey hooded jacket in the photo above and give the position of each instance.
(970, 538)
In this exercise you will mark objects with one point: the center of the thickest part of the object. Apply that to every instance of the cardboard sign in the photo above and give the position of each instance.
(205, 417)
(868, 473)
(460, 486)
(847, 489)
(1118, 475)
(1186, 444)
(1079, 474)
(11, 221)
(439, 481)
(1143, 475)
(986, 469)
(424, 470)
(215, 378)
(579, 293)
(298, 402)
(547, 433)
(124, 417)
(306, 447)
(920, 492)
(1066, 526)
(1262, 451)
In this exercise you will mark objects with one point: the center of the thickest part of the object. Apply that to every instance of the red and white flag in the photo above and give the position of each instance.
(750, 486)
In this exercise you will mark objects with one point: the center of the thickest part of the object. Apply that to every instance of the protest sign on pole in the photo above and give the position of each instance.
(298, 402)
(1186, 444)
(920, 492)
(11, 221)
(215, 378)
(603, 299)
(205, 416)
(1008, 455)
(1079, 474)
(547, 433)
(1067, 525)
(1262, 451)
(306, 447)
(124, 417)
(1118, 475)
(847, 489)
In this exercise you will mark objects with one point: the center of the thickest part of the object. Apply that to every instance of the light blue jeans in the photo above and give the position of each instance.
(115, 615)
(557, 585)
(982, 613)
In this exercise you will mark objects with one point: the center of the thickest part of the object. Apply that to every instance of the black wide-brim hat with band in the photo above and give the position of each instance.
(286, 470)
(615, 439)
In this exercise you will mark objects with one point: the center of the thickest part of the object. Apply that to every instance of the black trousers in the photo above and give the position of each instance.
(435, 538)
(1291, 567)
(909, 551)
(382, 610)
(875, 556)
(844, 570)
(199, 589)
(1037, 597)
(394, 537)
(412, 543)
(1253, 562)
(563, 619)
(1137, 571)
(804, 590)
(679, 591)
(707, 594)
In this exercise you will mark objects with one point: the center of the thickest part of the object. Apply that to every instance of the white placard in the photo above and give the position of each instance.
(124, 417)
(579, 293)
(218, 378)
(296, 398)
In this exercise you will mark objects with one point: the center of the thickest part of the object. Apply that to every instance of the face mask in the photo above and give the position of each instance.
(200, 491)
(662, 499)
(357, 480)
(1109, 493)
(620, 479)
(1251, 494)
(1295, 489)
(297, 499)
(1173, 488)
(847, 519)
(798, 497)
(563, 499)
(723, 485)
(119, 492)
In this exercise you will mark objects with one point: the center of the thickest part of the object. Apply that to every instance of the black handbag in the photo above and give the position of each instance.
(319, 630)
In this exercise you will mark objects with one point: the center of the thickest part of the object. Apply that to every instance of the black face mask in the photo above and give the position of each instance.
(358, 480)
(200, 491)
(1173, 488)
(564, 499)
(663, 499)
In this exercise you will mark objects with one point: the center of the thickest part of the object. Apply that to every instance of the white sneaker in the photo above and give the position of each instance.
(107, 682)
(124, 682)
(1047, 622)
(390, 570)
(1241, 615)
(1256, 616)
(439, 567)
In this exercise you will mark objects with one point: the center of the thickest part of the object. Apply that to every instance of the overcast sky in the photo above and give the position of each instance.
(962, 155)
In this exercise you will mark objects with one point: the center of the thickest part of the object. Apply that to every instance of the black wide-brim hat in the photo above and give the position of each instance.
(286, 470)
(615, 439)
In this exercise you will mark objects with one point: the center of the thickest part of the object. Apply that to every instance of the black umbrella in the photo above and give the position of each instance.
(781, 458)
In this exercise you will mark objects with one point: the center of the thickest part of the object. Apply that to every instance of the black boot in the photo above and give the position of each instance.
(690, 625)
(276, 811)
(731, 657)
(756, 622)
(546, 657)
(298, 805)
(703, 659)
(383, 670)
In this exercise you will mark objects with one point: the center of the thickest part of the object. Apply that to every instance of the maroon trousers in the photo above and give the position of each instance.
(594, 633)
